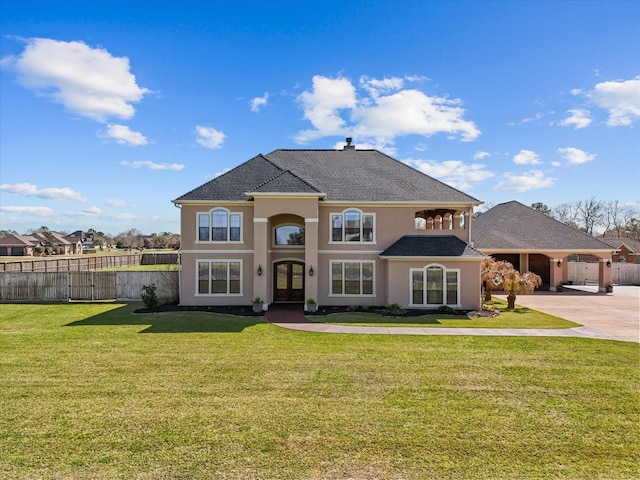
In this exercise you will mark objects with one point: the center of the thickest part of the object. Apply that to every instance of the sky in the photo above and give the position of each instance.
(110, 110)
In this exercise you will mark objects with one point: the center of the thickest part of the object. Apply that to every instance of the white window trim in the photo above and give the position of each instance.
(229, 213)
(424, 287)
(345, 242)
(351, 295)
(219, 260)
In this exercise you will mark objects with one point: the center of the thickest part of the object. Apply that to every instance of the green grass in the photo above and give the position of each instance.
(95, 391)
(520, 317)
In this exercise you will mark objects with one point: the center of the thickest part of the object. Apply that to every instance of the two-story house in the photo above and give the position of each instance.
(344, 227)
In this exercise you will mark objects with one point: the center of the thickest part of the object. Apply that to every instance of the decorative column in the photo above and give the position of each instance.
(261, 269)
(604, 274)
(311, 258)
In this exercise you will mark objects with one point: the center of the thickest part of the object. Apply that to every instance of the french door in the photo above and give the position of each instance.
(288, 281)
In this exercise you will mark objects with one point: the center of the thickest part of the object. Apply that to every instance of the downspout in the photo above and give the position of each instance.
(179, 206)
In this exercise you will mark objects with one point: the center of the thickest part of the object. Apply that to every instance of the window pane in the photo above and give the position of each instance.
(435, 293)
(336, 278)
(289, 235)
(336, 228)
(218, 277)
(367, 278)
(297, 276)
(417, 288)
(352, 226)
(203, 277)
(219, 226)
(367, 228)
(234, 228)
(352, 278)
(203, 227)
(452, 288)
(234, 277)
(281, 276)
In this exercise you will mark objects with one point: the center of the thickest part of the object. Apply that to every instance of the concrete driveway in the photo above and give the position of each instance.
(616, 314)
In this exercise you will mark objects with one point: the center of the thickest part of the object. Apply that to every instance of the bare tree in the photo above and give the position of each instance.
(567, 214)
(591, 213)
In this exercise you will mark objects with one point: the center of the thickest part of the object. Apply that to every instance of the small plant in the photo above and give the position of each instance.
(394, 309)
(311, 301)
(445, 309)
(257, 300)
(149, 296)
(312, 306)
(257, 305)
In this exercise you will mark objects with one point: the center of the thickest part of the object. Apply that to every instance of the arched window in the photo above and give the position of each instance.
(434, 285)
(352, 226)
(219, 225)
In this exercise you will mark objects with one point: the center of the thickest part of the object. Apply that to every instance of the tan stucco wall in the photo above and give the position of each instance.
(257, 248)
(399, 290)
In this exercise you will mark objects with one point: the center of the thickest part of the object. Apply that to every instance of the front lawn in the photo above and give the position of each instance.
(95, 391)
(519, 317)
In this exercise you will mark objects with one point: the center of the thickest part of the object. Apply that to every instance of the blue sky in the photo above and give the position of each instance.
(109, 110)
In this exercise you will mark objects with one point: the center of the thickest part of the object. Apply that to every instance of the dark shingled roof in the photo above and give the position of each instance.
(430, 246)
(343, 175)
(515, 226)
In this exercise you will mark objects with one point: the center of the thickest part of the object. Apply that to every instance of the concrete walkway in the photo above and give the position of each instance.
(292, 317)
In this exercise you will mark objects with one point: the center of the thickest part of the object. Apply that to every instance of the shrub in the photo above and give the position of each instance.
(445, 309)
(149, 296)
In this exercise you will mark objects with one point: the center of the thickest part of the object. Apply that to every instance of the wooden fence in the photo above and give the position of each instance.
(72, 264)
(587, 273)
(68, 286)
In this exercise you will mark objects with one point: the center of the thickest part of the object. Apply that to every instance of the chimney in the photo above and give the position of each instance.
(348, 146)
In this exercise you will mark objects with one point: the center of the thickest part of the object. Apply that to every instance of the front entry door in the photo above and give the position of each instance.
(288, 282)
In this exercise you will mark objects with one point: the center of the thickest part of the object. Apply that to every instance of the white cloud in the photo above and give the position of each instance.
(527, 181)
(152, 165)
(54, 193)
(526, 157)
(209, 137)
(113, 202)
(575, 155)
(578, 118)
(620, 98)
(384, 111)
(88, 212)
(125, 136)
(452, 172)
(480, 155)
(35, 211)
(259, 102)
(87, 81)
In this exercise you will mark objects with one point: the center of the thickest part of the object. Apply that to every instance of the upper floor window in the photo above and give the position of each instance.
(352, 226)
(219, 225)
(289, 235)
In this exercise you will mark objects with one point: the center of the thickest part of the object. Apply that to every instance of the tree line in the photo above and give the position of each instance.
(595, 217)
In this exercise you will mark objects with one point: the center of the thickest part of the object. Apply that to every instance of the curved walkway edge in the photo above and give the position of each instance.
(580, 332)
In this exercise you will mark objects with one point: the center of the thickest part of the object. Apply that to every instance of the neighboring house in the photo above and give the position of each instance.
(18, 245)
(343, 227)
(628, 250)
(533, 241)
(80, 240)
(24, 245)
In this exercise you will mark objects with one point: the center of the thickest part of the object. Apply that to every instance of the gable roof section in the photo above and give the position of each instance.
(617, 242)
(410, 246)
(514, 226)
(285, 182)
(343, 175)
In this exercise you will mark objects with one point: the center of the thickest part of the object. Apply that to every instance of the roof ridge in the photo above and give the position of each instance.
(283, 172)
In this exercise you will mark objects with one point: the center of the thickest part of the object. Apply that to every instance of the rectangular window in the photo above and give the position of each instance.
(352, 278)
(367, 228)
(336, 228)
(434, 286)
(234, 227)
(219, 277)
(417, 287)
(203, 227)
(452, 287)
